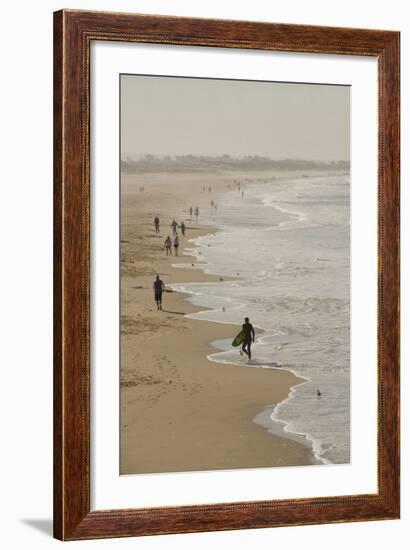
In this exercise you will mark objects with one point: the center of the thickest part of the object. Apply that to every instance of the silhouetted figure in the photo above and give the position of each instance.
(159, 288)
(174, 226)
(249, 337)
(168, 246)
(156, 224)
(176, 244)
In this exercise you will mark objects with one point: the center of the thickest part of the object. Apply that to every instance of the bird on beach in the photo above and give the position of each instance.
(319, 393)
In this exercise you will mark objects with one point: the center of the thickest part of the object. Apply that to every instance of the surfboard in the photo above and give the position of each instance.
(239, 338)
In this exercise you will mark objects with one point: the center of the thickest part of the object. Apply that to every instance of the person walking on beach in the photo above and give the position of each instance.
(183, 227)
(156, 223)
(249, 337)
(176, 244)
(159, 288)
(196, 214)
(168, 245)
(174, 226)
(190, 211)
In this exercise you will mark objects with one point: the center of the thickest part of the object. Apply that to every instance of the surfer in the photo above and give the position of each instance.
(249, 337)
(159, 287)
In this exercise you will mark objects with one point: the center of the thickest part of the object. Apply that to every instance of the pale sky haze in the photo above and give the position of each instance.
(178, 116)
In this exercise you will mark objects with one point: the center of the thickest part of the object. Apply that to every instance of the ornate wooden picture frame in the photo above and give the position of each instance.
(74, 32)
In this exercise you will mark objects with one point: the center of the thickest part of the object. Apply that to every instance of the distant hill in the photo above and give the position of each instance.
(223, 163)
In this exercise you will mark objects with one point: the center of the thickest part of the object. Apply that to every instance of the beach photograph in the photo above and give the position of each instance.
(234, 274)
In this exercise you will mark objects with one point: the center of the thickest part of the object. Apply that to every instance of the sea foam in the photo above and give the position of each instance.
(287, 242)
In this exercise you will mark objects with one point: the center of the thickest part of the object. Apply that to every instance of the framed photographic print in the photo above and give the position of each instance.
(226, 259)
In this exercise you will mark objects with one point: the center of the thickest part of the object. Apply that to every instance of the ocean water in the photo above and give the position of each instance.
(288, 242)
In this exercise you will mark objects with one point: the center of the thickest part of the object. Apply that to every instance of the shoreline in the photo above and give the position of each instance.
(269, 409)
(264, 417)
(287, 418)
(159, 398)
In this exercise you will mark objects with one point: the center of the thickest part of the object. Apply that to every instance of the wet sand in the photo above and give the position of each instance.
(180, 411)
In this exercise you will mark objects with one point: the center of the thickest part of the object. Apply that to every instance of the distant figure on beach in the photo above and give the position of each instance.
(319, 393)
(209, 188)
(183, 227)
(159, 288)
(174, 226)
(190, 211)
(212, 204)
(196, 214)
(176, 244)
(168, 245)
(243, 193)
(156, 224)
(249, 337)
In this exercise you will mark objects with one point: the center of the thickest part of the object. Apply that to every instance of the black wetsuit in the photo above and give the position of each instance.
(249, 337)
(249, 332)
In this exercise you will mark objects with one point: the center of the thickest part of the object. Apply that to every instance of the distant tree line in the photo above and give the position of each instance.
(192, 163)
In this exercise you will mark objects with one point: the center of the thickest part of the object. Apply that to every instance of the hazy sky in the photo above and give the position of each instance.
(176, 116)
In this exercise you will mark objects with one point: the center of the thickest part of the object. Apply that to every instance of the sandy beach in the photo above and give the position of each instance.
(180, 411)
